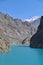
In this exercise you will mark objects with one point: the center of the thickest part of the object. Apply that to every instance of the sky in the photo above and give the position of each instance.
(22, 9)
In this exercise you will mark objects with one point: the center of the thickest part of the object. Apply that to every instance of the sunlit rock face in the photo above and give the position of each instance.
(36, 40)
(4, 43)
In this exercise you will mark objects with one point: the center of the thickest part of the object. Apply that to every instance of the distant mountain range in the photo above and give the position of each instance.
(34, 21)
(15, 31)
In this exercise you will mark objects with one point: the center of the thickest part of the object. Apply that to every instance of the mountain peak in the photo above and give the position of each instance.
(32, 19)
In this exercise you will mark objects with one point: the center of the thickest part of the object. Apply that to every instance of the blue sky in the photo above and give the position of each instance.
(22, 8)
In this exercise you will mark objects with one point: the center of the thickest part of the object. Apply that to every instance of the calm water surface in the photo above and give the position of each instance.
(22, 56)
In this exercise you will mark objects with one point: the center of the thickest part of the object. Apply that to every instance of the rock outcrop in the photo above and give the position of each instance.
(4, 42)
(36, 40)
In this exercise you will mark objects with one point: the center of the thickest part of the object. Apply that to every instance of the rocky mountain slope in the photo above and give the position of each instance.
(16, 31)
(4, 42)
(36, 40)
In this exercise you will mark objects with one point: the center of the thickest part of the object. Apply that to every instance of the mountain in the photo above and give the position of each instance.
(36, 40)
(16, 31)
(34, 21)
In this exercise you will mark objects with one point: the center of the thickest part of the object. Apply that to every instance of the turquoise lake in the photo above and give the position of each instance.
(20, 55)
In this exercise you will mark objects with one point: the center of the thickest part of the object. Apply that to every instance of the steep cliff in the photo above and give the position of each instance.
(36, 40)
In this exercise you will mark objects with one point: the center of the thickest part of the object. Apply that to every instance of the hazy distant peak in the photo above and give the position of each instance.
(33, 18)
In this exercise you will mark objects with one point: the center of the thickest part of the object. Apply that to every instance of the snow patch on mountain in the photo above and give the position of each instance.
(32, 19)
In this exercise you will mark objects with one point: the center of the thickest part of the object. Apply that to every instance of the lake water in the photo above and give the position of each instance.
(19, 55)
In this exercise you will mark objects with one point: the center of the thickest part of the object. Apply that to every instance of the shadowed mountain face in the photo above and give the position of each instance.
(36, 40)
